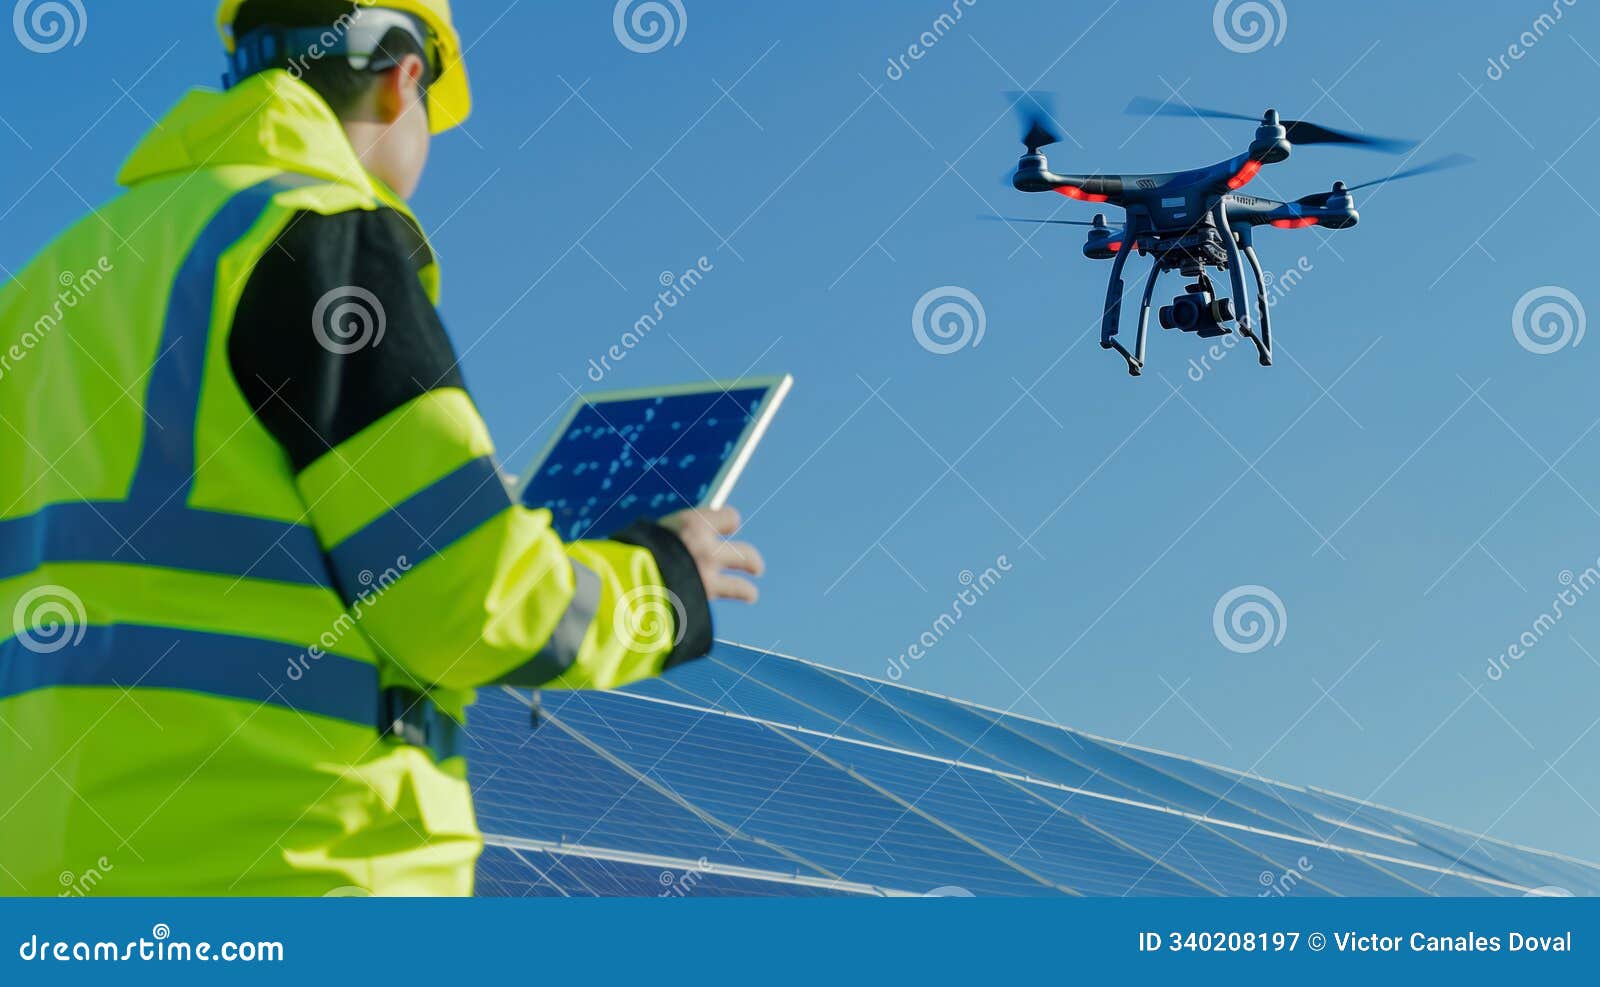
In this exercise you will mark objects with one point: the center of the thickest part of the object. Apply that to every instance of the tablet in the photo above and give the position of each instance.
(624, 455)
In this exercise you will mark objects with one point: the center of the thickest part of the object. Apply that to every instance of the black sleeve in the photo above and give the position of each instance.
(682, 579)
(334, 330)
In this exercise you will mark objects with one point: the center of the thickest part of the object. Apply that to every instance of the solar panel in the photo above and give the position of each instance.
(754, 774)
(622, 456)
(1476, 854)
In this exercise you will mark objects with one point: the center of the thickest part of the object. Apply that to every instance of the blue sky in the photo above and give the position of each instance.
(1409, 481)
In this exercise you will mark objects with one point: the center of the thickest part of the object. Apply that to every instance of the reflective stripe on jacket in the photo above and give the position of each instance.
(197, 695)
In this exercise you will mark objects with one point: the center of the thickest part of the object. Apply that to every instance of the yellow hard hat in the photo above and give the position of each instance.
(450, 96)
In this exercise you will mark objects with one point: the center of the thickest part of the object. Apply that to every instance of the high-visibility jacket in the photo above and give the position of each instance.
(233, 668)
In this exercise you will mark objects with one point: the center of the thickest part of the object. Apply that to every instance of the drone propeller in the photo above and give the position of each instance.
(1043, 222)
(1037, 111)
(1319, 199)
(1296, 131)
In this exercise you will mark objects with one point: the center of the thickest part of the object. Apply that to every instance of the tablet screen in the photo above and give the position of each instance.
(622, 458)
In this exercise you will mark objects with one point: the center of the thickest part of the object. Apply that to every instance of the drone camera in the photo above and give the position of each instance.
(1199, 312)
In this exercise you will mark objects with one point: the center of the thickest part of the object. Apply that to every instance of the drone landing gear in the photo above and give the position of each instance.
(1236, 274)
(1111, 320)
(1264, 342)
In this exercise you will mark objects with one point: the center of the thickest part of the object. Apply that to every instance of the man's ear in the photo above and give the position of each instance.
(400, 88)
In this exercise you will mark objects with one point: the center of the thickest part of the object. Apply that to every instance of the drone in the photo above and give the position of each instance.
(1192, 221)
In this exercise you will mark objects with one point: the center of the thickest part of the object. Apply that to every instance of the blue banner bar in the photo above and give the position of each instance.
(801, 941)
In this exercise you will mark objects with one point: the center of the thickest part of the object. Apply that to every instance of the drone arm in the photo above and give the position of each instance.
(1085, 188)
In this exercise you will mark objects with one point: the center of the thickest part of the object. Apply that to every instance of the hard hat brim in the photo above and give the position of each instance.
(449, 98)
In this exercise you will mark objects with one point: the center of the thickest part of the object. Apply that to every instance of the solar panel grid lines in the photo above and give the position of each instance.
(1307, 821)
(546, 785)
(775, 791)
(1372, 845)
(1380, 876)
(643, 778)
(1590, 869)
(911, 807)
(1091, 775)
(1231, 866)
(684, 872)
(1531, 868)
(787, 777)
(1084, 746)
(989, 727)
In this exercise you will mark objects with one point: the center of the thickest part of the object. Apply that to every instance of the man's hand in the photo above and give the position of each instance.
(705, 534)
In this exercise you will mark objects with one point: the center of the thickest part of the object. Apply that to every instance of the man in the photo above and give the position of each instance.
(254, 539)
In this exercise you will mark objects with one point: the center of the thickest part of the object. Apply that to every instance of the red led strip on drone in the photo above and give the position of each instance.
(1243, 176)
(1073, 192)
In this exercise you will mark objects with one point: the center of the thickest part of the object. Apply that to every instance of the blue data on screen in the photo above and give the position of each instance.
(619, 461)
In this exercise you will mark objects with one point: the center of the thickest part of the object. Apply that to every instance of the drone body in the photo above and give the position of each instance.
(1193, 221)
